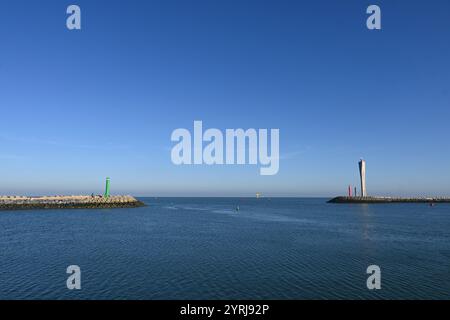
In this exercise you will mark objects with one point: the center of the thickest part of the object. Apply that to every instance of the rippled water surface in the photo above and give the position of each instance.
(203, 248)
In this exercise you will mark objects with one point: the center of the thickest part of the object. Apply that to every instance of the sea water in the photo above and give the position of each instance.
(204, 248)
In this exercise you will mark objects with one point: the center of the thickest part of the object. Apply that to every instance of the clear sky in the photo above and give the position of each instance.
(77, 106)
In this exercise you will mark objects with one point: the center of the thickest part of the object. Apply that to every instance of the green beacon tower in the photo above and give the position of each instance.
(107, 188)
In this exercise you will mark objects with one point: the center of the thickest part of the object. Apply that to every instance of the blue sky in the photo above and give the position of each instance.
(78, 106)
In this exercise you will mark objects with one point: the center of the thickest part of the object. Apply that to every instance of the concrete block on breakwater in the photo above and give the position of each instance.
(68, 202)
(388, 200)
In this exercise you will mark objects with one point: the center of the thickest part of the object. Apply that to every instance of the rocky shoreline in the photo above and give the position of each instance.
(68, 202)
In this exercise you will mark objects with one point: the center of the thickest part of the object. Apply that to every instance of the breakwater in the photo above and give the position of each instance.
(68, 202)
(388, 200)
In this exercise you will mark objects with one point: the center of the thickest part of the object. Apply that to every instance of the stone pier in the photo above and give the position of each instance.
(388, 200)
(68, 202)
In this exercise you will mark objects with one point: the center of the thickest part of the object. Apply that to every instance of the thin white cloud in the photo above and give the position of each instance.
(38, 141)
(10, 157)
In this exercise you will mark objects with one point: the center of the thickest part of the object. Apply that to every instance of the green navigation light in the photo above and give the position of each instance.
(107, 188)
